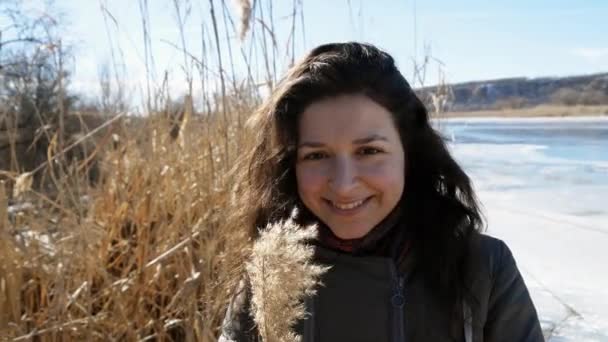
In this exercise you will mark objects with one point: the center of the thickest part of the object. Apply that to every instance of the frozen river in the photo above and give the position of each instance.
(544, 187)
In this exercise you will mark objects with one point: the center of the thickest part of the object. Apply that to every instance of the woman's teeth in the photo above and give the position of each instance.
(347, 206)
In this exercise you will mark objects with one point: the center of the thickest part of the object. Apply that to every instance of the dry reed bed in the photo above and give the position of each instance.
(151, 256)
(153, 250)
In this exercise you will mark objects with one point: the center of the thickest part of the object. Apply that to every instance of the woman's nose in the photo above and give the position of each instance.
(343, 177)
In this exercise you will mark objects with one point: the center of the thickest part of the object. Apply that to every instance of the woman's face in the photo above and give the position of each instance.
(350, 164)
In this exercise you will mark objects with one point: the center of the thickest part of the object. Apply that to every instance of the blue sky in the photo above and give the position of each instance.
(473, 39)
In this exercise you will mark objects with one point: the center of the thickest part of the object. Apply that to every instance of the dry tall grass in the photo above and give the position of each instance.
(154, 249)
(281, 275)
(151, 256)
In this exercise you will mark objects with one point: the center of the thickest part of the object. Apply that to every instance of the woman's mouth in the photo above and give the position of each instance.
(348, 208)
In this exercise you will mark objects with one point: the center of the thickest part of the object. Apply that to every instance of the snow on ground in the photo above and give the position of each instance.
(564, 264)
(543, 183)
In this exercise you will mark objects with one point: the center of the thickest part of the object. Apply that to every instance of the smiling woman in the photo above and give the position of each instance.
(345, 141)
(350, 164)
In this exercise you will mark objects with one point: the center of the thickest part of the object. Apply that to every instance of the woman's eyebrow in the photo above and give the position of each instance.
(311, 144)
(360, 141)
(369, 139)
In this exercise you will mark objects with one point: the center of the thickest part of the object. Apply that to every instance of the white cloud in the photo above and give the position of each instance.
(591, 54)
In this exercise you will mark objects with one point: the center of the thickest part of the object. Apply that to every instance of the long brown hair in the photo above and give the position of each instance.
(440, 210)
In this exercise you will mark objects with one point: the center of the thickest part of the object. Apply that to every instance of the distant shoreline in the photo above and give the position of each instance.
(538, 111)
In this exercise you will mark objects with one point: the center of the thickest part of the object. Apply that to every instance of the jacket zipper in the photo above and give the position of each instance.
(397, 302)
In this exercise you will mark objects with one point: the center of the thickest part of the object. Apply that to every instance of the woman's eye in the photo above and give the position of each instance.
(314, 156)
(369, 151)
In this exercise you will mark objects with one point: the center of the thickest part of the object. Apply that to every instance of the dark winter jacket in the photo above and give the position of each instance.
(366, 299)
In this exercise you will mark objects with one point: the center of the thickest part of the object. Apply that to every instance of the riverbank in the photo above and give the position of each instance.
(538, 111)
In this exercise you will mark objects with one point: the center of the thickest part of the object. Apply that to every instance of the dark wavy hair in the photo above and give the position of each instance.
(440, 210)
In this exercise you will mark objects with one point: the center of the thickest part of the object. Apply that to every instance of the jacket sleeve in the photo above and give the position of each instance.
(511, 313)
(238, 325)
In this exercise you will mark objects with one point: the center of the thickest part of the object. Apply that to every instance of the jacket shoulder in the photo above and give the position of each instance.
(509, 313)
(492, 254)
(238, 325)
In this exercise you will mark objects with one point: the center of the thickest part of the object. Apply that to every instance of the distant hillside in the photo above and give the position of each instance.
(522, 92)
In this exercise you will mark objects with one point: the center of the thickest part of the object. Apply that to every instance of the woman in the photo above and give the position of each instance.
(345, 140)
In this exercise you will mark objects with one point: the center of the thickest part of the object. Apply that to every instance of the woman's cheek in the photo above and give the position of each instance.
(386, 173)
(309, 177)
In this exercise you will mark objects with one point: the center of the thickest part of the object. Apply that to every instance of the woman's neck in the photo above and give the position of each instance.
(368, 244)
